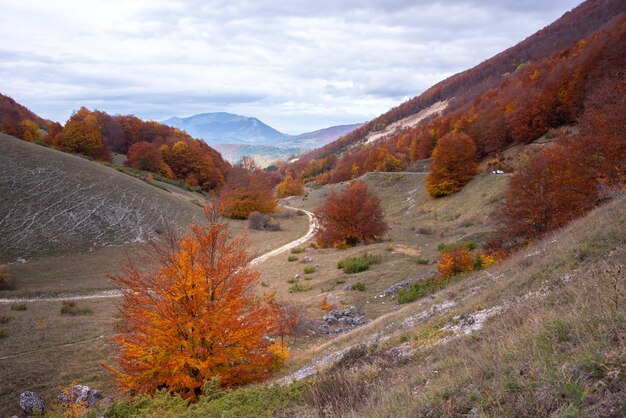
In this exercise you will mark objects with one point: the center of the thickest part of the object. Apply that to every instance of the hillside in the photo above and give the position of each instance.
(13, 115)
(56, 203)
(516, 338)
(512, 98)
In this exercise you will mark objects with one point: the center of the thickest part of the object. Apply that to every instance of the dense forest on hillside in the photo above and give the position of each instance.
(150, 145)
(512, 98)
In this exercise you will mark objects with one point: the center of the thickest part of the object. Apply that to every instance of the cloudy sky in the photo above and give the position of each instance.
(297, 65)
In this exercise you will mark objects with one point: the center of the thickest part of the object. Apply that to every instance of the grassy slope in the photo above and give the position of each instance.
(418, 224)
(541, 334)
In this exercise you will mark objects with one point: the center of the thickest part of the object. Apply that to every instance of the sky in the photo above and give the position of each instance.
(297, 65)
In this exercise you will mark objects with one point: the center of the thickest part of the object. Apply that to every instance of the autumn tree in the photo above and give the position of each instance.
(194, 316)
(31, 131)
(290, 186)
(603, 138)
(82, 134)
(247, 190)
(54, 137)
(550, 189)
(453, 165)
(145, 156)
(351, 217)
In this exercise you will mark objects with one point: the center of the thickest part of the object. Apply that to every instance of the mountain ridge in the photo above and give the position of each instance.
(237, 135)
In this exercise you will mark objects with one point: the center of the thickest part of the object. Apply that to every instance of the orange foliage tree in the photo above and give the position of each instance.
(453, 165)
(82, 134)
(290, 186)
(352, 217)
(455, 261)
(247, 190)
(194, 316)
(146, 156)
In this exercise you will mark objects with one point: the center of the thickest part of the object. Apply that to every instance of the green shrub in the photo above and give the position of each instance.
(253, 401)
(340, 281)
(3, 333)
(358, 264)
(265, 284)
(443, 247)
(309, 270)
(298, 250)
(359, 286)
(422, 288)
(292, 280)
(297, 287)
(420, 261)
(19, 307)
(70, 307)
(292, 258)
(5, 319)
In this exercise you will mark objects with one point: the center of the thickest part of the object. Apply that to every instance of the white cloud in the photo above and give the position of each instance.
(297, 65)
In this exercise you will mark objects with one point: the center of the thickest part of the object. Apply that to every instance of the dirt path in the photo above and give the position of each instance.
(313, 227)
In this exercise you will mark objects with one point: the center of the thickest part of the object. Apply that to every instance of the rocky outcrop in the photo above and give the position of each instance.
(80, 394)
(31, 403)
(338, 321)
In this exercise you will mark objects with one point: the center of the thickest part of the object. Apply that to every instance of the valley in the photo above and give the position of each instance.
(462, 254)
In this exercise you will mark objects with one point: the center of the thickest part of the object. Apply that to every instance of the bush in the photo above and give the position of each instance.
(257, 221)
(420, 261)
(352, 265)
(70, 307)
(292, 258)
(3, 333)
(298, 250)
(6, 282)
(19, 307)
(297, 287)
(421, 289)
(4, 319)
(359, 286)
(309, 270)
(443, 247)
(454, 262)
(261, 222)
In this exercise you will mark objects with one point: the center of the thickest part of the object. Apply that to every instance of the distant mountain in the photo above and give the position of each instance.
(262, 154)
(322, 137)
(236, 136)
(227, 128)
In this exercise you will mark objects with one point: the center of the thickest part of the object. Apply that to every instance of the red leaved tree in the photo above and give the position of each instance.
(551, 189)
(194, 316)
(247, 190)
(146, 156)
(352, 217)
(453, 165)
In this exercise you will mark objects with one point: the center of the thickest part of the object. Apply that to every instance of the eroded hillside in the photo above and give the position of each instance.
(54, 203)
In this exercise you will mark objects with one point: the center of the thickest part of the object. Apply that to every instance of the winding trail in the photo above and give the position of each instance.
(313, 227)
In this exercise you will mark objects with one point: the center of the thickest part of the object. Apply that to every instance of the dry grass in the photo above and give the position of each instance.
(555, 346)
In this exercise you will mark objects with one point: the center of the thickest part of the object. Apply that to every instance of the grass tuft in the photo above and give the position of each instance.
(352, 265)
